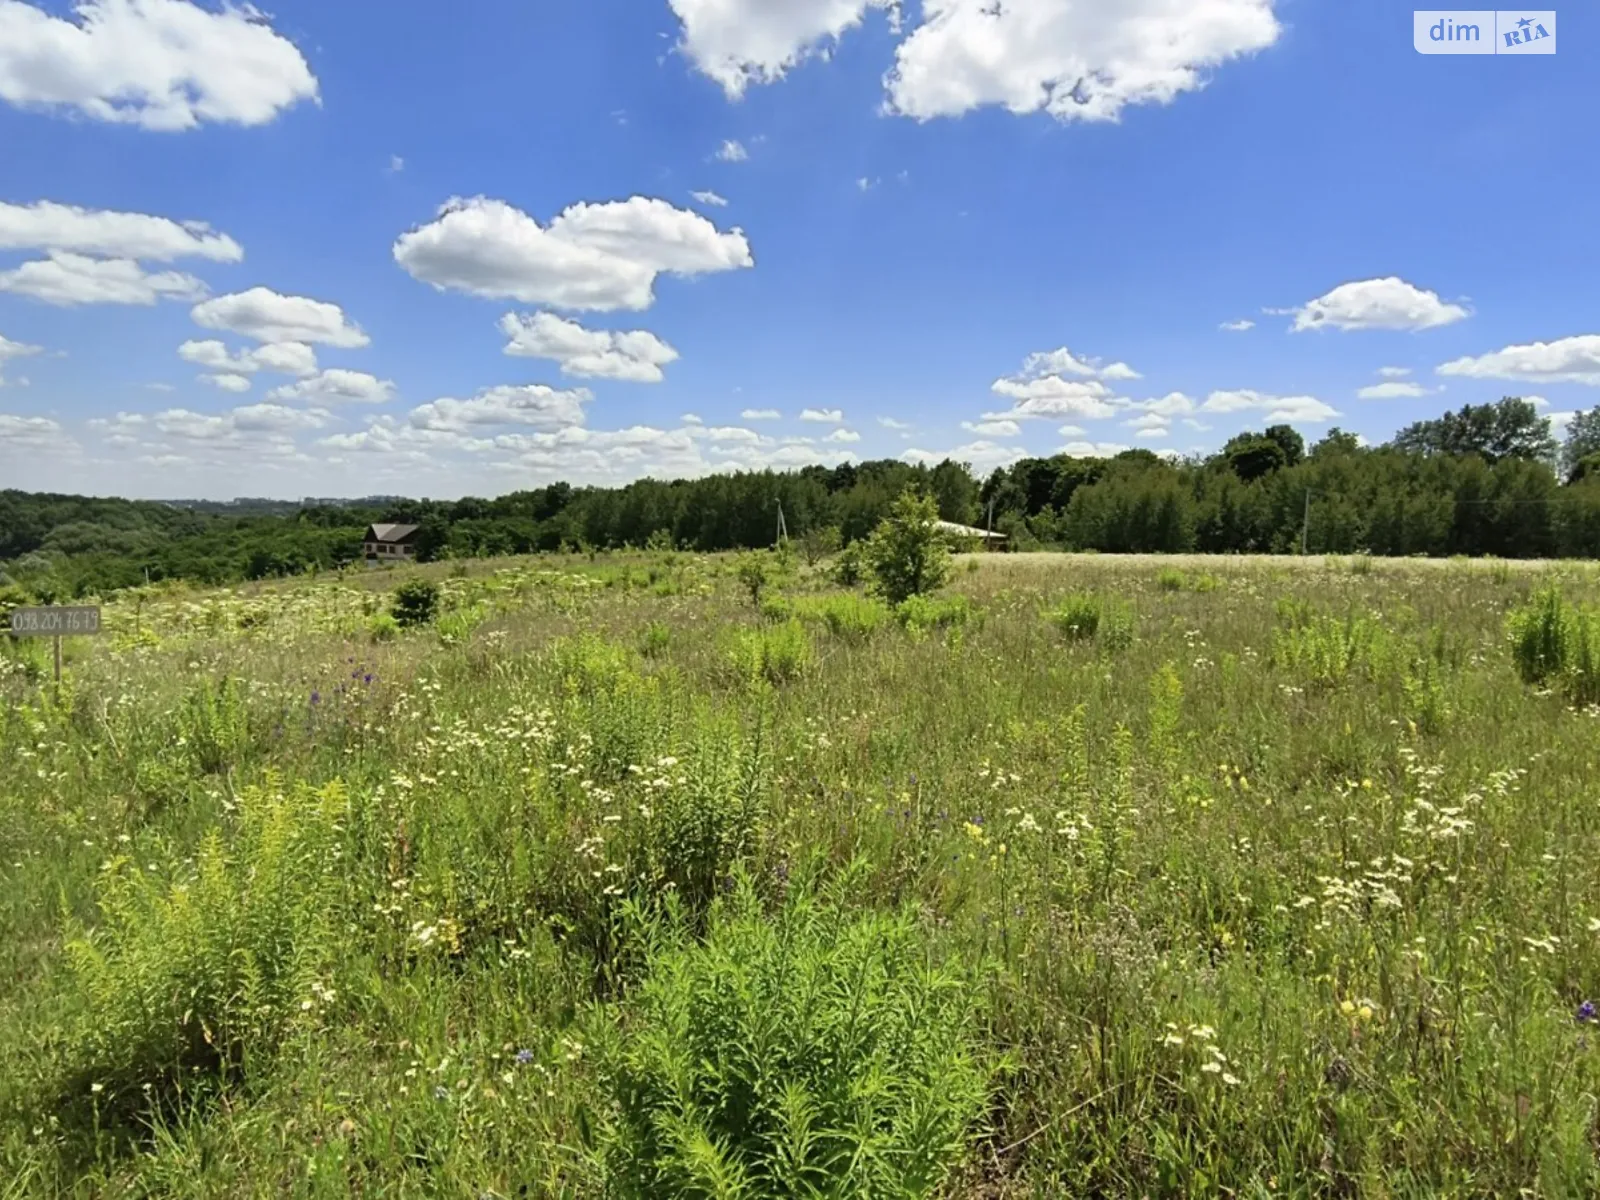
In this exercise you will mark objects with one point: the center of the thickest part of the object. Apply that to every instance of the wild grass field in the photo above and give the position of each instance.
(1086, 876)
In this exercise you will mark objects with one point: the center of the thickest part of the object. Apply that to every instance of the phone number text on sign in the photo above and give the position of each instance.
(55, 622)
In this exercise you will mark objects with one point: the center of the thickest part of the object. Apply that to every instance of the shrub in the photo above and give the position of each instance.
(458, 626)
(811, 1054)
(654, 640)
(1539, 632)
(1171, 580)
(215, 725)
(918, 614)
(849, 568)
(1078, 617)
(415, 603)
(382, 627)
(776, 608)
(192, 975)
(776, 653)
(1328, 650)
(698, 831)
(848, 616)
(590, 665)
(1554, 642)
(752, 572)
(905, 555)
(820, 541)
(1103, 619)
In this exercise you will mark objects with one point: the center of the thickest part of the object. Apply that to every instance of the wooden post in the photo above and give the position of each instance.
(58, 665)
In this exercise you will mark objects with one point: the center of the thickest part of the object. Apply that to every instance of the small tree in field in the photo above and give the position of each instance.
(906, 555)
(820, 541)
(753, 575)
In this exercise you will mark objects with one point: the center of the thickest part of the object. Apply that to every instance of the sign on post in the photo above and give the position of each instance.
(56, 622)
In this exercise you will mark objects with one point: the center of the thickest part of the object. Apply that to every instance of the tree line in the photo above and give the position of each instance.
(1487, 479)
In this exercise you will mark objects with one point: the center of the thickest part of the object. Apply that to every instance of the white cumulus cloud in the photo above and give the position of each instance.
(533, 405)
(1059, 383)
(761, 414)
(982, 456)
(1149, 422)
(1388, 303)
(843, 435)
(267, 316)
(636, 356)
(66, 279)
(710, 198)
(1278, 409)
(1093, 449)
(10, 349)
(993, 428)
(159, 64)
(1392, 390)
(740, 42)
(105, 234)
(825, 416)
(30, 432)
(592, 256)
(284, 358)
(1565, 360)
(228, 382)
(1071, 59)
(337, 386)
(732, 151)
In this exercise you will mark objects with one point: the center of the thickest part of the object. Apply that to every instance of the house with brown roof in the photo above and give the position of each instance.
(390, 544)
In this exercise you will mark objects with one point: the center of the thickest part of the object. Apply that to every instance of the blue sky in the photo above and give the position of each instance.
(907, 223)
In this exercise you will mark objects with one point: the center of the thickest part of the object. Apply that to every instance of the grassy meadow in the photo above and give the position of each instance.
(1087, 876)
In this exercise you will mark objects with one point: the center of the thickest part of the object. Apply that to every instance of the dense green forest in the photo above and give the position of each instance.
(1486, 480)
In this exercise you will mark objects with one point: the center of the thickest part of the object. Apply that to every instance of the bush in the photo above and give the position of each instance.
(1553, 642)
(382, 627)
(918, 614)
(191, 976)
(654, 640)
(1328, 650)
(1077, 617)
(777, 653)
(906, 556)
(415, 603)
(1085, 617)
(215, 725)
(849, 568)
(1171, 580)
(699, 830)
(776, 608)
(848, 616)
(811, 1054)
(820, 541)
(752, 572)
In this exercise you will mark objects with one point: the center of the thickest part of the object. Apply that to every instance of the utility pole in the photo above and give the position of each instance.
(783, 530)
(1305, 527)
(988, 533)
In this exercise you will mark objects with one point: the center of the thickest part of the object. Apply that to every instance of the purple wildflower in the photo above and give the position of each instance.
(524, 1057)
(1586, 1012)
